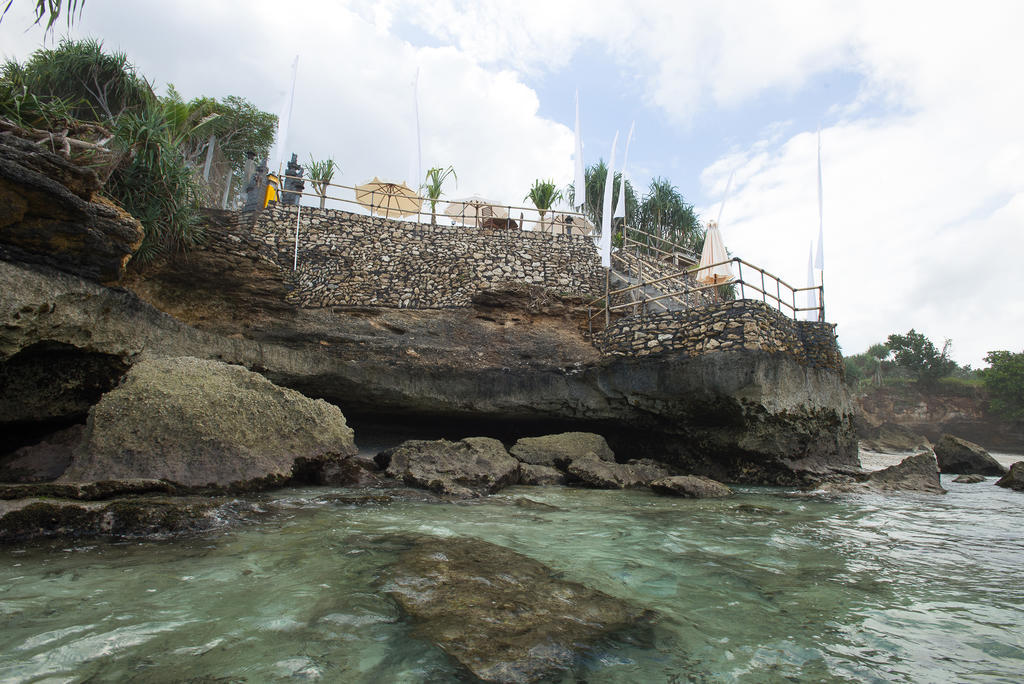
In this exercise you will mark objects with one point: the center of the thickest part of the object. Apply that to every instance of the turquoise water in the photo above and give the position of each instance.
(771, 585)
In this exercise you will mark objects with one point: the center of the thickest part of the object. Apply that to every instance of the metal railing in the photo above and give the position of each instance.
(772, 290)
(470, 214)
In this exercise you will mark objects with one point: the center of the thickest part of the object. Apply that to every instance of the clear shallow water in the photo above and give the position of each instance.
(770, 585)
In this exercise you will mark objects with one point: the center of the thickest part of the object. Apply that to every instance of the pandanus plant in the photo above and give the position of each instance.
(320, 174)
(543, 194)
(432, 186)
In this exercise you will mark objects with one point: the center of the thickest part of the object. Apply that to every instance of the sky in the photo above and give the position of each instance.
(919, 107)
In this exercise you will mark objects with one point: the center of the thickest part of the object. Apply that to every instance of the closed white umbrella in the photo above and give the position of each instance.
(711, 270)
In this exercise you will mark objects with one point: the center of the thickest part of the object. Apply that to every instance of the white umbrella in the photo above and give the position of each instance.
(569, 224)
(471, 209)
(391, 200)
(714, 253)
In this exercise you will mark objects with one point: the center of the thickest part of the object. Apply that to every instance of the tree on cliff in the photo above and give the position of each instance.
(1004, 380)
(917, 354)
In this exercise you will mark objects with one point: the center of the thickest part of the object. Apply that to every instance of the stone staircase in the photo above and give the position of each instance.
(629, 269)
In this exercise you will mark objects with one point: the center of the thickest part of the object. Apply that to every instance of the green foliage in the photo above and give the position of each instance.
(594, 178)
(434, 186)
(917, 354)
(544, 194)
(320, 173)
(51, 11)
(1004, 380)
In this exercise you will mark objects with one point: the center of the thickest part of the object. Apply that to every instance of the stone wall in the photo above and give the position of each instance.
(352, 259)
(723, 326)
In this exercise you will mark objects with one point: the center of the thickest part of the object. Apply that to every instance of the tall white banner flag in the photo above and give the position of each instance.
(605, 245)
(812, 295)
(725, 196)
(282, 123)
(620, 205)
(580, 181)
(819, 261)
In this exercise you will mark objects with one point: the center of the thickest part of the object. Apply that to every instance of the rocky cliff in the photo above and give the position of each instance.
(516, 362)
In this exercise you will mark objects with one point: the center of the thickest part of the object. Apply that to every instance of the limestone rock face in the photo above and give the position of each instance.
(601, 474)
(199, 423)
(50, 214)
(959, 456)
(1013, 479)
(691, 487)
(505, 617)
(559, 450)
(467, 468)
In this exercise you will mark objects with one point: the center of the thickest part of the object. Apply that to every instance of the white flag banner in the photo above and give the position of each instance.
(283, 120)
(580, 179)
(415, 153)
(605, 245)
(812, 295)
(725, 196)
(819, 260)
(620, 206)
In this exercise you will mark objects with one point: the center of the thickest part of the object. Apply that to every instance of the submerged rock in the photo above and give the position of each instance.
(691, 487)
(127, 517)
(596, 472)
(1013, 479)
(467, 468)
(969, 479)
(202, 424)
(560, 450)
(957, 455)
(502, 615)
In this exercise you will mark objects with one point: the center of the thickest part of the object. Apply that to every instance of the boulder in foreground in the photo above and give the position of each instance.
(470, 467)
(592, 471)
(959, 456)
(917, 473)
(207, 424)
(691, 487)
(1013, 479)
(502, 615)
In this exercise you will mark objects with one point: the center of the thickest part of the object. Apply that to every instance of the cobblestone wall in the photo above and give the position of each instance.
(728, 325)
(351, 259)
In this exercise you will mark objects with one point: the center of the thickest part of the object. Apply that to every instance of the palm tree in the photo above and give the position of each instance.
(594, 178)
(665, 214)
(320, 174)
(543, 194)
(434, 181)
(51, 9)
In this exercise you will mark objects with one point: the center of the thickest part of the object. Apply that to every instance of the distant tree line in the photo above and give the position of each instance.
(913, 358)
(159, 143)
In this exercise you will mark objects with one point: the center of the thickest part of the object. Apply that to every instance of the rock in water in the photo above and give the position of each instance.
(1015, 478)
(505, 617)
(601, 474)
(892, 437)
(918, 473)
(467, 468)
(959, 456)
(969, 479)
(691, 486)
(203, 423)
(530, 474)
(559, 451)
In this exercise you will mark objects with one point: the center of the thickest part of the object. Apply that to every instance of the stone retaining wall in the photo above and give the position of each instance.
(352, 259)
(720, 327)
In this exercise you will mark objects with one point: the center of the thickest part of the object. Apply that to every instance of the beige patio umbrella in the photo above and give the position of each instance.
(569, 224)
(390, 200)
(471, 209)
(714, 253)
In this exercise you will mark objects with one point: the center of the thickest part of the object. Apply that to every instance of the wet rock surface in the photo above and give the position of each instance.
(558, 451)
(956, 455)
(691, 487)
(969, 479)
(892, 437)
(468, 468)
(505, 617)
(592, 471)
(206, 424)
(917, 473)
(44, 461)
(540, 475)
(1014, 479)
(148, 516)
